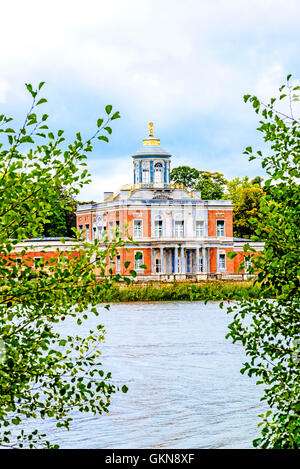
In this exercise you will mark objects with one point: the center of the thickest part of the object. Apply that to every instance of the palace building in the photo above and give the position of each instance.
(180, 236)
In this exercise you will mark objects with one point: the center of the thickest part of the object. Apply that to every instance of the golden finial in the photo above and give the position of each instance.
(151, 140)
(150, 129)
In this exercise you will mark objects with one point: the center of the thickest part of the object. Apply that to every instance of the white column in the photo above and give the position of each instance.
(152, 263)
(204, 265)
(182, 261)
(197, 260)
(162, 270)
(176, 261)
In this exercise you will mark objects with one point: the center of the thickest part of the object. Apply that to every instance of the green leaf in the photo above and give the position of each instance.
(103, 137)
(108, 109)
(16, 420)
(231, 254)
(41, 101)
(116, 115)
(124, 388)
(99, 122)
(108, 129)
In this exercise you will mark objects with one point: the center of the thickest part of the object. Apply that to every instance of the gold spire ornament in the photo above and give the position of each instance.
(151, 140)
(150, 129)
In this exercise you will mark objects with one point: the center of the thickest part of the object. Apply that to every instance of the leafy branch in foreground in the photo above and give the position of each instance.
(269, 330)
(43, 372)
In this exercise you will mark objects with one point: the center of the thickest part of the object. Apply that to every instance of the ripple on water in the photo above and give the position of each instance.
(185, 388)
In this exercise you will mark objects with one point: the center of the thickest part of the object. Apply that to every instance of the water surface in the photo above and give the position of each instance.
(185, 388)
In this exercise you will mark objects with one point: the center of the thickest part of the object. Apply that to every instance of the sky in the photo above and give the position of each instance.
(184, 65)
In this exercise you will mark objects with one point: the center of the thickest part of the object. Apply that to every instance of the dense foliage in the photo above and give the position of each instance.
(43, 372)
(61, 222)
(203, 291)
(211, 184)
(270, 329)
(245, 194)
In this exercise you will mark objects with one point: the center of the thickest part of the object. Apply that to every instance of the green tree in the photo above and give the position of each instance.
(245, 209)
(211, 184)
(270, 329)
(235, 186)
(246, 196)
(45, 373)
(185, 175)
(63, 219)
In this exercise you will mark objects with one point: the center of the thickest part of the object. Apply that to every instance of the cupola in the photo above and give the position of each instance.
(151, 163)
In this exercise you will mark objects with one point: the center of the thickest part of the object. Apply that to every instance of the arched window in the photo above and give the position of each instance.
(158, 172)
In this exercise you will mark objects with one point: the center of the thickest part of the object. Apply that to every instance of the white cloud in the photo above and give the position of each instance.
(160, 56)
(163, 60)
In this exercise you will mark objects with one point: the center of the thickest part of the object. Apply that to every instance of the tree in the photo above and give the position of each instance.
(44, 373)
(246, 196)
(211, 185)
(63, 220)
(185, 175)
(268, 329)
(235, 186)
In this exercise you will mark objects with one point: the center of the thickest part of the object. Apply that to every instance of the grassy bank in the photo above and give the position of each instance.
(212, 291)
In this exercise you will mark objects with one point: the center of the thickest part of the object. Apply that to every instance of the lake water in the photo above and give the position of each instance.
(185, 388)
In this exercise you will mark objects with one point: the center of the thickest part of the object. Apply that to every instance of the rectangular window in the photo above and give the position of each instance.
(110, 229)
(87, 231)
(80, 227)
(222, 262)
(146, 176)
(199, 228)
(179, 229)
(220, 228)
(138, 262)
(158, 228)
(118, 266)
(138, 229)
(94, 232)
(157, 266)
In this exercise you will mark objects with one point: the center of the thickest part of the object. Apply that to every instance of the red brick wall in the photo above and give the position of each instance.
(145, 216)
(84, 219)
(214, 215)
(213, 260)
(129, 256)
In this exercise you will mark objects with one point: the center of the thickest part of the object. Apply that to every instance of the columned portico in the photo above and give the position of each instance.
(181, 260)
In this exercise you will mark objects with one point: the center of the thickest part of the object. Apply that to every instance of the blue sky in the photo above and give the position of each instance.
(183, 65)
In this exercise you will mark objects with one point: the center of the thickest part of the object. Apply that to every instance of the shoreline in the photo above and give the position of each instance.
(184, 291)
